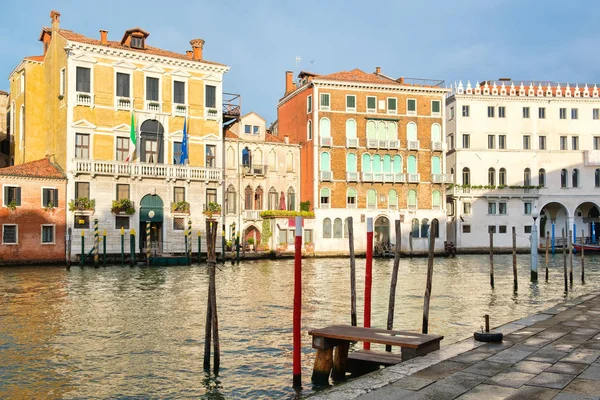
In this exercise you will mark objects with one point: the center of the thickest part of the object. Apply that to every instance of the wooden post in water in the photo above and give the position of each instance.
(82, 258)
(96, 242)
(432, 234)
(104, 247)
(547, 248)
(564, 250)
(582, 257)
(199, 244)
(492, 259)
(297, 323)
(212, 321)
(514, 257)
(122, 246)
(69, 242)
(571, 257)
(410, 240)
(148, 243)
(390, 320)
(352, 272)
(237, 249)
(368, 278)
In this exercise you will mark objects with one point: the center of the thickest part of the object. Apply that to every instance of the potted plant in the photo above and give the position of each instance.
(228, 245)
(182, 207)
(82, 204)
(283, 246)
(12, 206)
(211, 209)
(251, 244)
(309, 247)
(49, 206)
(122, 206)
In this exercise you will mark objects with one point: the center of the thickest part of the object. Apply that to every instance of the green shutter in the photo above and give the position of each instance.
(412, 164)
(376, 163)
(387, 163)
(436, 165)
(351, 162)
(392, 104)
(412, 105)
(55, 200)
(45, 195)
(393, 198)
(435, 106)
(371, 197)
(5, 199)
(397, 164)
(371, 102)
(18, 191)
(366, 163)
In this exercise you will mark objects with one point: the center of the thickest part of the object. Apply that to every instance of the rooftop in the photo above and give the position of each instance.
(358, 75)
(509, 87)
(43, 168)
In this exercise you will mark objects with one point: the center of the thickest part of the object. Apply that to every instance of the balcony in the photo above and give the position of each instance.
(326, 175)
(351, 206)
(352, 176)
(399, 177)
(180, 110)
(437, 146)
(378, 177)
(393, 144)
(414, 178)
(254, 170)
(441, 178)
(591, 158)
(371, 206)
(83, 99)
(384, 177)
(123, 103)
(152, 106)
(372, 143)
(352, 143)
(145, 170)
(494, 192)
(413, 145)
(211, 114)
(326, 141)
(252, 215)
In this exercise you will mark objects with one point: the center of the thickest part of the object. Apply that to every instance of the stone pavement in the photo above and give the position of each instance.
(551, 355)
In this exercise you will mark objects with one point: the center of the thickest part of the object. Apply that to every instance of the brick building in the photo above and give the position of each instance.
(32, 216)
(371, 146)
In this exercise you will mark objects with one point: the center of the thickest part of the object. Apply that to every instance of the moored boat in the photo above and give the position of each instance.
(586, 247)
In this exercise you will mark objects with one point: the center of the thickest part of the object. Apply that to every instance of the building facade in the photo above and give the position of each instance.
(80, 102)
(33, 213)
(371, 147)
(5, 147)
(515, 148)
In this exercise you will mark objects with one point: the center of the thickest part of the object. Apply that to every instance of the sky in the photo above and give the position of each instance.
(527, 40)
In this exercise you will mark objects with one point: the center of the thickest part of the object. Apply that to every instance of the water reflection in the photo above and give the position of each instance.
(139, 332)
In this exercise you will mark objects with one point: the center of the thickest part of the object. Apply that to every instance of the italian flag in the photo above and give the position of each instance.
(133, 140)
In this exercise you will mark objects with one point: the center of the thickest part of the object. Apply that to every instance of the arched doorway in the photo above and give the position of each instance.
(587, 219)
(553, 219)
(253, 233)
(151, 142)
(151, 210)
(381, 231)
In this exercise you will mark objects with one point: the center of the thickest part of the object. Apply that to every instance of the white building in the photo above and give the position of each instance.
(513, 147)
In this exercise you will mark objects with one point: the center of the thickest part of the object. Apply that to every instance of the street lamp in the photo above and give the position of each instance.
(534, 246)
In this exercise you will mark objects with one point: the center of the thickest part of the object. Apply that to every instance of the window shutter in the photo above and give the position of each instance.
(5, 199)
(45, 199)
(18, 190)
(55, 199)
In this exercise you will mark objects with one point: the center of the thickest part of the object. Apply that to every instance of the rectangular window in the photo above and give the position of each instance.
(63, 82)
(491, 111)
(501, 112)
(121, 222)
(255, 129)
(210, 97)
(178, 224)
(491, 141)
(47, 234)
(466, 141)
(596, 113)
(179, 92)
(491, 228)
(122, 191)
(467, 208)
(527, 229)
(596, 142)
(436, 107)
(502, 229)
(152, 89)
(371, 104)
(563, 143)
(502, 208)
(466, 229)
(562, 113)
(502, 141)
(82, 146)
(12, 194)
(350, 102)
(9, 234)
(574, 142)
(122, 148)
(542, 113)
(49, 197)
(491, 208)
(308, 236)
(211, 196)
(411, 106)
(542, 142)
(81, 222)
(123, 85)
(527, 208)
(525, 112)
(177, 152)
(248, 129)
(325, 101)
(465, 111)
(291, 236)
(282, 236)
(178, 194)
(82, 190)
(82, 77)
(392, 105)
(526, 142)
(451, 140)
(451, 112)
(309, 104)
(210, 155)
(574, 113)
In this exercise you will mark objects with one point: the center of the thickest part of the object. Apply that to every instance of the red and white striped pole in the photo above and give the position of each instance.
(368, 278)
(297, 367)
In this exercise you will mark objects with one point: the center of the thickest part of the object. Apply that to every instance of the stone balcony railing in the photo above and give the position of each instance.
(145, 170)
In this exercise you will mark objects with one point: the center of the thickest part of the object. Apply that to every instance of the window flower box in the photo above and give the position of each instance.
(82, 204)
(122, 207)
(180, 207)
(211, 209)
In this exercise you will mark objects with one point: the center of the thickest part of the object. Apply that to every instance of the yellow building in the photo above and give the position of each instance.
(77, 102)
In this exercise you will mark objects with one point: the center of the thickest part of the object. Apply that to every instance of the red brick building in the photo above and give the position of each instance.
(32, 215)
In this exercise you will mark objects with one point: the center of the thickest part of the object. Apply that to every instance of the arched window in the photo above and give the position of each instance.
(435, 225)
(436, 133)
(309, 130)
(542, 177)
(466, 176)
(392, 199)
(371, 130)
(325, 198)
(411, 131)
(415, 228)
(575, 178)
(351, 162)
(381, 130)
(291, 199)
(246, 157)
(436, 165)
(351, 198)
(436, 199)
(412, 165)
(230, 158)
(350, 128)
(502, 177)
(231, 200)
(387, 163)
(273, 201)
(257, 157)
(397, 164)
(366, 163)
(248, 198)
(272, 160)
(424, 228)
(325, 161)
(491, 177)
(289, 162)
(337, 228)
(376, 163)
(326, 228)
(597, 178)
(371, 198)
(412, 198)
(527, 177)
(392, 131)
(325, 127)
(258, 198)
(563, 178)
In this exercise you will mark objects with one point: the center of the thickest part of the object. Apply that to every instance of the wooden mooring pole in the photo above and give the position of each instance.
(564, 250)
(82, 258)
(368, 278)
(212, 321)
(431, 255)
(492, 259)
(390, 320)
(571, 257)
(547, 248)
(514, 258)
(297, 363)
(69, 243)
(582, 257)
(352, 272)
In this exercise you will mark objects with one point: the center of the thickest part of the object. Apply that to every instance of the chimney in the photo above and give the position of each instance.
(286, 139)
(197, 46)
(289, 82)
(378, 70)
(401, 80)
(188, 53)
(55, 18)
(103, 35)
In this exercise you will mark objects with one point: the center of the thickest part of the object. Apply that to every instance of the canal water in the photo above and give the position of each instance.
(121, 332)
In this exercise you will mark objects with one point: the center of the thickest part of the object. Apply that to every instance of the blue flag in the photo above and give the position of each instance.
(184, 150)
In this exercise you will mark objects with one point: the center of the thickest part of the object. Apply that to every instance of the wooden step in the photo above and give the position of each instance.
(376, 357)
